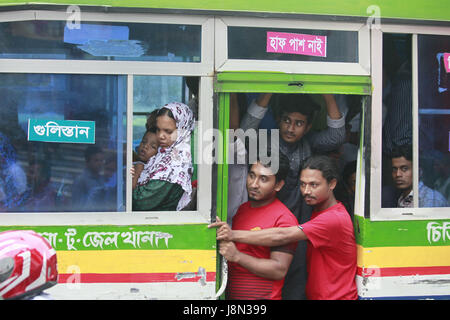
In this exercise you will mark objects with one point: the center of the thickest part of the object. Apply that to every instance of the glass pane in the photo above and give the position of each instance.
(150, 94)
(100, 41)
(45, 167)
(292, 44)
(397, 121)
(434, 120)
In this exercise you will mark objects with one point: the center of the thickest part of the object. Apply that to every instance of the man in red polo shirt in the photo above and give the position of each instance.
(331, 252)
(256, 271)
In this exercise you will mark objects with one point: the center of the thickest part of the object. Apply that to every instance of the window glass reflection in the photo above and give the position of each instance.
(398, 146)
(434, 120)
(100, 41)
(44, 176)
(397, 121)
(314, 45)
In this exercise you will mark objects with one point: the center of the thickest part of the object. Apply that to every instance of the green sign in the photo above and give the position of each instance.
(66, 131)
(147, 237)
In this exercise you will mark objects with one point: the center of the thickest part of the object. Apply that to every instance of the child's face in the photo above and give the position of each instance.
(148, 146)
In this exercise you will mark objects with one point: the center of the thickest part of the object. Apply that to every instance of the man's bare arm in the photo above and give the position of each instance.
(332, 107)
(274, 268)
(272, 237)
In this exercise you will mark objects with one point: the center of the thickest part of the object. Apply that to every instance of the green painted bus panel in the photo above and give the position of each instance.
(222, 177)
(334, 88)
(402, 233)
(292, 83)
(222, 180)
(144, 237)
(246, 76)
(394, 9)
(219, 165)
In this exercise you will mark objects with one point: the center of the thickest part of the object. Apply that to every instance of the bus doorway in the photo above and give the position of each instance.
(253, 122)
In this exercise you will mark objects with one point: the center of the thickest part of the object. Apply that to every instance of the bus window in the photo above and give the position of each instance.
(120, 41)
(397, 168)
(292, 46)
(434, 120)
(328, 45)
(51, 164)
(150, 94)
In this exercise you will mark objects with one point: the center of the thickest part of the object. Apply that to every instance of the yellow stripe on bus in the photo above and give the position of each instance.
(136, 261)
(392, 257)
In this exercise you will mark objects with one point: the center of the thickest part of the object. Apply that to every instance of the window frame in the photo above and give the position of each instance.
(377, 213)
(204, 70)
(298, 67)
(115, 67)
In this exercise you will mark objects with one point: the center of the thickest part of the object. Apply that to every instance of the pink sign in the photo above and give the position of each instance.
(447, 61)
(296, 43)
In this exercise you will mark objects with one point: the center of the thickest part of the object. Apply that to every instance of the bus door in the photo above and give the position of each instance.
(273, 57)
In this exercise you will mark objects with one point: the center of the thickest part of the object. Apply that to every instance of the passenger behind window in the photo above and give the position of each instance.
(296, 116)
(104, 198)
(164, 183)
(441, 166)
(401, 195)
(41, 194)
(89, 179)
(13, 181)
(397, 97)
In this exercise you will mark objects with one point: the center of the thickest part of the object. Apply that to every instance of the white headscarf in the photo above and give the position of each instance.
(174, 164)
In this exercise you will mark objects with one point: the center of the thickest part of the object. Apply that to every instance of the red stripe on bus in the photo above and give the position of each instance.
(406, 271)
(131, 277)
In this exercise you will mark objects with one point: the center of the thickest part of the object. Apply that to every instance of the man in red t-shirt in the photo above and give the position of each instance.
(255, 271)
(331, 253)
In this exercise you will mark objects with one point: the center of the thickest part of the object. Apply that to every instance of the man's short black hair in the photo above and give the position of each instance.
(324, 164)
(150, 125)
(283, 165)
(402, 151)
(301, 103)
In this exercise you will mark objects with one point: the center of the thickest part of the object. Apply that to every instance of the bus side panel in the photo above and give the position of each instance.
(133, 262)
(403, 259)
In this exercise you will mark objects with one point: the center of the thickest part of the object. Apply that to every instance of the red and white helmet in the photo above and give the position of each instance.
(27, 264)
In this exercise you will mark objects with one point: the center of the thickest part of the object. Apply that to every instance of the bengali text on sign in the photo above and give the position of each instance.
(296, 43)
(66, 131)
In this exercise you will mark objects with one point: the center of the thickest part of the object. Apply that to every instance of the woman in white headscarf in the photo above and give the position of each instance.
(164, 182)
